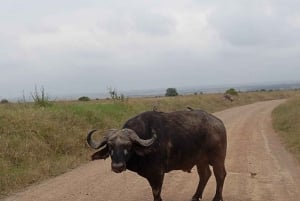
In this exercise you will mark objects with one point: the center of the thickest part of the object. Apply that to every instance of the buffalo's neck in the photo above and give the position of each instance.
(132, 164)
(145, 165)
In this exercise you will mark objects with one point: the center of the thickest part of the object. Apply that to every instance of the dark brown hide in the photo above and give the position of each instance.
(183, 139)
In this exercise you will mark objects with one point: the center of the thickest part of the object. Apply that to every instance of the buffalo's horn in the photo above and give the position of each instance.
(135, 138)
(92, 143)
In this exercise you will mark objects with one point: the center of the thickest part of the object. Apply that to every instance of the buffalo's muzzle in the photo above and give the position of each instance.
(118, 167)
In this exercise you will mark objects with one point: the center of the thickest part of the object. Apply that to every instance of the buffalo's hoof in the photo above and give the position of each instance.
(196, 199)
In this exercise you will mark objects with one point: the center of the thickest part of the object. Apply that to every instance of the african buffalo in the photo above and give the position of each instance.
(154, 143)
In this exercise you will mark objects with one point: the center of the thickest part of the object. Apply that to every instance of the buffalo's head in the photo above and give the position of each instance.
(119, 145)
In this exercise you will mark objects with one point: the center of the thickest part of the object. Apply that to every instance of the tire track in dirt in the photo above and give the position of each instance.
(258, 169)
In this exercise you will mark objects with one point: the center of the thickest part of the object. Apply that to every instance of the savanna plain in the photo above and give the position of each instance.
(37, 142)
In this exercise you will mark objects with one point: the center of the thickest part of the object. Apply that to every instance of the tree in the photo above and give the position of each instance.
(114, 95)
(231, 92)
(171, 92)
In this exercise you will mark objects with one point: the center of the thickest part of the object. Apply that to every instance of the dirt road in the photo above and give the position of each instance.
(258, 167)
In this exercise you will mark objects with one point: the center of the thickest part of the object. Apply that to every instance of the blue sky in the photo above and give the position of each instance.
(86, 46)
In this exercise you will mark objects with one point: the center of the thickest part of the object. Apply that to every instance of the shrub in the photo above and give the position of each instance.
(171, 92)
(3, 101)
(84, 98)
(232, 92)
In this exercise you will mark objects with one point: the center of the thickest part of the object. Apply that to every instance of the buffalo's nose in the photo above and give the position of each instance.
(118, 167)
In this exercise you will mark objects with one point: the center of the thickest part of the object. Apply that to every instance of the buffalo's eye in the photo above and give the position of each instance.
(111, 152)
(125, 152)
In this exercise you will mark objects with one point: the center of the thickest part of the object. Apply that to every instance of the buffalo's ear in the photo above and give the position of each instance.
(101, 154)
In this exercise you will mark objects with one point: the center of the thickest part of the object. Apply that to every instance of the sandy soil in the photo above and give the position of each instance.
(258, 167)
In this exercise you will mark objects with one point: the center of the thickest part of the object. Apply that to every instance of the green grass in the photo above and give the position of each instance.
(40, 142)
(286, 121)
(96, 113)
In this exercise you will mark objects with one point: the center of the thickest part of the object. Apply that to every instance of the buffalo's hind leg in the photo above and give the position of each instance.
(220, 174)
(204, 174)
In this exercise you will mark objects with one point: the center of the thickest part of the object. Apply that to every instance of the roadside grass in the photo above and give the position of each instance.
(36, 143)
(286, 121)
(40, 142)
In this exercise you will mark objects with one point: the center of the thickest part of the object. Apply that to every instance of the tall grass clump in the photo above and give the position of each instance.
(40, 97)
(286, 121)
(115, 96)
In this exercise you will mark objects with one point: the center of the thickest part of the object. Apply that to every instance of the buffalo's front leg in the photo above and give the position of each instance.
(156, 182)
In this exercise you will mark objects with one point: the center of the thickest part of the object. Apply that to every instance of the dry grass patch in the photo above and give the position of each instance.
(286, 121)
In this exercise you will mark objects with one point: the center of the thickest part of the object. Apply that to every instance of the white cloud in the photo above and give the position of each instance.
(257, 24)
(89, 45)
